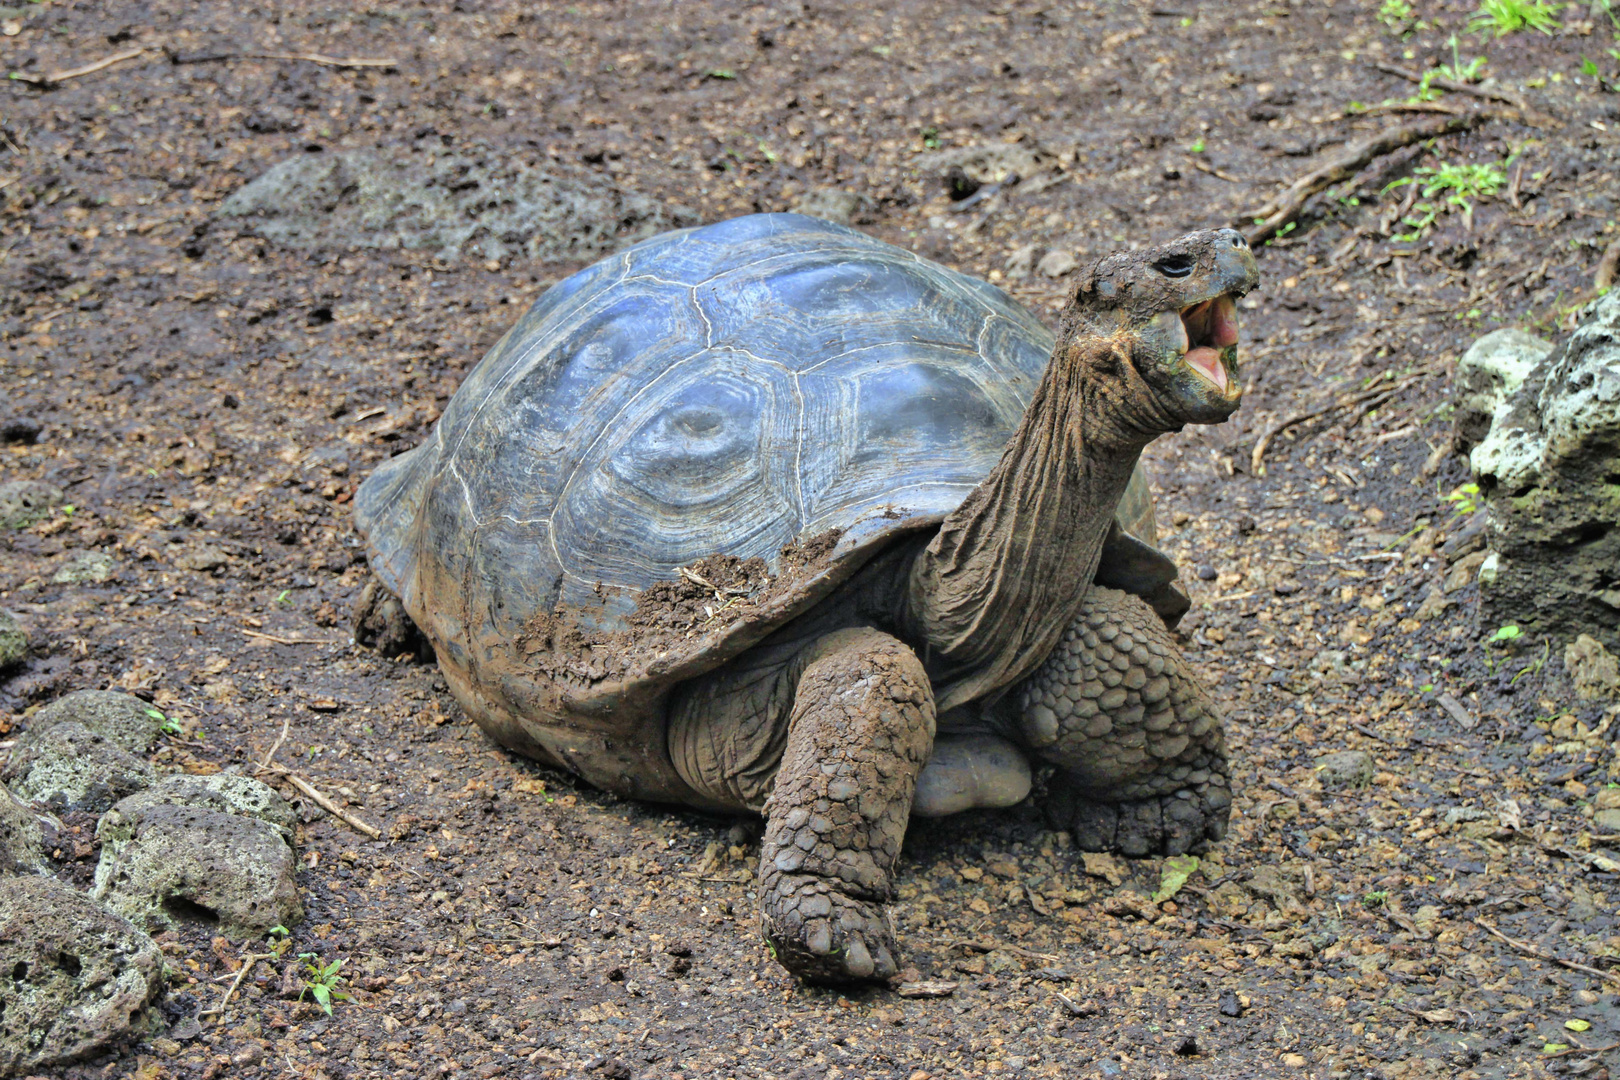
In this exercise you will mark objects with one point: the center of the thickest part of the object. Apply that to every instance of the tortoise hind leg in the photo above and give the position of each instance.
(860, 732)
(1139, 742)
(380, 623)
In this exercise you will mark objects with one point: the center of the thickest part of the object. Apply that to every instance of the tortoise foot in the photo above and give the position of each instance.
(380, 623)
(1187, 819)
(823, 935)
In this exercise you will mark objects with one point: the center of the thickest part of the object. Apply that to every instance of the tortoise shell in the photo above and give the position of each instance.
(727, 390)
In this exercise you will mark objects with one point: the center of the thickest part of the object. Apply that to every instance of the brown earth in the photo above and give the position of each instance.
(209, 400)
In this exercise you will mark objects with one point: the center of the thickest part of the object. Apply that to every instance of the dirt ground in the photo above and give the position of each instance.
(209, 400)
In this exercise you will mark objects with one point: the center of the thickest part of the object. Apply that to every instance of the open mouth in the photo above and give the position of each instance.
(1212, 337)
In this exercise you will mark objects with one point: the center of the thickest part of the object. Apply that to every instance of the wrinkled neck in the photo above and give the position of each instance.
(992, 594)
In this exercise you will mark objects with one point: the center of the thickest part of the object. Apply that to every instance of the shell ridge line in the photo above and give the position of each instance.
(884, 345)
(834, 253)
(466, 492)
(708, 327)
(657, 280)
(739, 350)
(524, 362)
(798, 452)
(562, 492)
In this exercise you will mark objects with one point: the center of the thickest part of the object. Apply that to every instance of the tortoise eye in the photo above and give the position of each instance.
(1175, 266)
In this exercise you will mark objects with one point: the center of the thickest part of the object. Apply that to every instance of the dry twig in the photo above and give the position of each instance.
(1213, 171)
(994, 946)
(1458, 87)
(287, 640)
(248, 963)
(268, 764)
(312, 58)
(1285, 207)
(1532, 951)
(327, 61)
(325, 803)
(47, 82)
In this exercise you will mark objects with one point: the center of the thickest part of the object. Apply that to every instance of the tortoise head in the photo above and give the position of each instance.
(1174, 309)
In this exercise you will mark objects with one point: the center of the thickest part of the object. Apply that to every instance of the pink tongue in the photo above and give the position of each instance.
(1208, 361)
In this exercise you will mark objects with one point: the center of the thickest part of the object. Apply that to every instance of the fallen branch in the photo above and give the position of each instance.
(993, 946)
(47, 82)
(323, 802)
(312, 58)
(1532, 951)
(1457, 87)
(1213, 171)
(1351, 160)
(1581, 1050)
(287, 640)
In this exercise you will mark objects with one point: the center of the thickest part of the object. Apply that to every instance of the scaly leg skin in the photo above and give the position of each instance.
(1139, 743)
(380, 623)
(860, 732)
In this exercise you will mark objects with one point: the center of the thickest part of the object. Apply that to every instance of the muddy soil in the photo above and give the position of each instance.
(207, 399)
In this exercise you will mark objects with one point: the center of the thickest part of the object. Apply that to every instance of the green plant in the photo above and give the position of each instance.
(720, 73)
(1504, 635)
(1446, 186)
(1375, 899)
(1197, 146)
(321, 981)
(930, 138)
(1533, 668)
(1503, 638)
(1457, 72)
(282, 598)
(1501, 17)
(1395, 14)
(1464, 500)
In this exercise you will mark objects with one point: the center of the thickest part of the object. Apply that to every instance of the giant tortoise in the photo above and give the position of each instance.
(772, 517)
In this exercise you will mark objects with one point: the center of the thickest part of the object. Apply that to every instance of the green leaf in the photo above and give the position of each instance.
(1577, 1025)
(1173, 875)
(1554, 1048)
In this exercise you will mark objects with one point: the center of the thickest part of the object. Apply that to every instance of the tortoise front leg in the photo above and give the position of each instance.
(861, 730)
(1139, 742)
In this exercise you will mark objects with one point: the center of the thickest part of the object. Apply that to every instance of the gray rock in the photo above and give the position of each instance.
(1487, 375)
(13, 641)
(76, 977)
(480, 202)
(1347, 768)
(73, 766)
(27, 502)
(1593, 670)
(830, 204)
(22, 843)
(124, 718)
(227, 793)
(1057, 262)
(1547, 473)
(182, 864)
(87, 567)
(1607, 821)
(997, 163)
